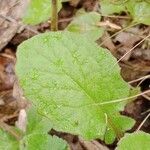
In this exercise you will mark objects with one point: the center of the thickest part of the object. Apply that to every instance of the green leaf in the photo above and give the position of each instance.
(42, 141)
(36, 137)
(37, 123)
(37, 134)
(139, 11)
(108, 7)
(122, 123)
(135, 141)
(86, 23)
(7, 142)
(39, 11)
(69, 79)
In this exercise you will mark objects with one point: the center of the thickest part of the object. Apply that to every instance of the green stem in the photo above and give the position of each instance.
(54, 17)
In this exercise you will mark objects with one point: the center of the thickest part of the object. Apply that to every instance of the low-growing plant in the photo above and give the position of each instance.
(74, 83)
(135, 141)
(35, 137)
(138, 9)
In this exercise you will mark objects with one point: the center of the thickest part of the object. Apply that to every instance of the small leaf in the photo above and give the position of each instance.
(139, 11)
(69, 79)
(37, 134)
(35, 138)
(42, 141)
(135, 141)
(108, 7)
(39, 11)
(86, 23)
(37, 123)
(7, 142)
(122, 123)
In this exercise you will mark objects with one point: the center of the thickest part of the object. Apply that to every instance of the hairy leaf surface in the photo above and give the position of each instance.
(70, 79)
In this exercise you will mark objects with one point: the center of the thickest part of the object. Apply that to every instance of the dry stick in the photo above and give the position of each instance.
(131, 49)
(145, 112)
(146, 97)
(118, 33)
(113, 16)
(10, 130)
(142, 81)
(54, 17)
(142, 123)
(142, 78)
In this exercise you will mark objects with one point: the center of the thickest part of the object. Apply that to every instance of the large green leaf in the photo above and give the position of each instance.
(39, 11)
(69, 79)
(135, 141)
(86, 23)
(36, 137)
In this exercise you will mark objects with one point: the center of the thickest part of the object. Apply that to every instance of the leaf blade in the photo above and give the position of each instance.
(79, 72)
(137, 140)
(38, 11)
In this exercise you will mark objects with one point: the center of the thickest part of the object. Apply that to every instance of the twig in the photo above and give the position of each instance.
(146, 97)
(131, 49)
(109, 24)
(54, 17)
(118, 33)
(136, 80)
(120, 17)
(145, 112)
(10, 130)
(7, 56)
(142, 123)
(6, 118)
(142, 80)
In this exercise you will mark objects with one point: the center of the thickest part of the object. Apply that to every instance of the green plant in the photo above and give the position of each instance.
(73, 82)
(74, 85)
(36, 136)
(39, 11)
(135, 141)
(85, 24)
(138, 10)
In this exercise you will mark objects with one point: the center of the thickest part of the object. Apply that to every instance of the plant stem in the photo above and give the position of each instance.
(54, 17)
